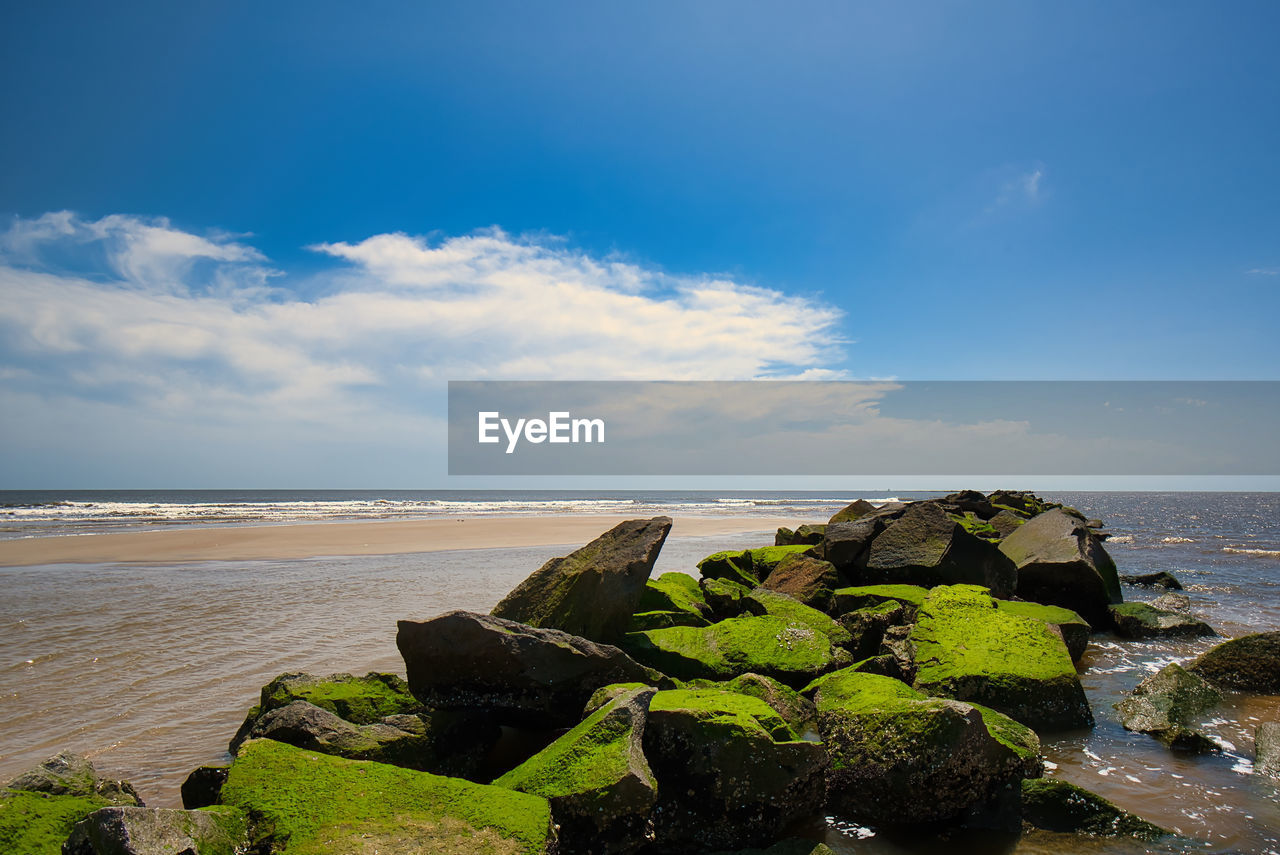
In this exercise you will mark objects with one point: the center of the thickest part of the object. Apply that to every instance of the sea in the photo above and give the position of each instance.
(149, 668)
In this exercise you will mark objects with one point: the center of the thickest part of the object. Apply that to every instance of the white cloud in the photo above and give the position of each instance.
(1018, 188)
(141, 312)
(1264, 271)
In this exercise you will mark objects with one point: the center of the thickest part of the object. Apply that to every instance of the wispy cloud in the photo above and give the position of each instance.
(1264, 271)
(1018, 188)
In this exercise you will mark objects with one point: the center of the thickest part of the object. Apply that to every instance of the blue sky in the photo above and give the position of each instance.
(270, 232)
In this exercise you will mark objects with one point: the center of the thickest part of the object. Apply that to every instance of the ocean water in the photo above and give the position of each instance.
(149, 669)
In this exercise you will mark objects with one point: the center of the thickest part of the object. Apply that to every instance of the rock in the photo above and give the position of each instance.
(1024, 504)
(1266, 741)
(908, 596)
(1061, 562)
(796, 710)
(605, 694)
(674, 592)
(788, 652)
(1005, 523)
(641, 621)
(927, 547)
(900, 651)
(790, 846)
(203, 787)
(899, 757)
(596, 778)
(724, 597)
(360, 700)
(41, 806)
(592, 592)
(970, 502)
(1055, 805)
(331, 806)
(1154, 580)
(1074, 629)
(845, 544)
(966, 648)
(1250, 663)
(810, 580)
(521, 675)
(810, 535)
(159, 831)
(867, 627)
(1140, 620)
(1172, 603)
(747, 567)
(1165, 704)
(766, 602)
(852, 511)
(730, 772)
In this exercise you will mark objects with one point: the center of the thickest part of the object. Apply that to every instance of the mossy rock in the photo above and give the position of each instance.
(762, 601)
(217, 830)
(867, 627)
(1140, 620)
(810, 580)
(747, 567)
(641, 621)
(1062, 562)
(1056, 805)
(304, 803)
(730, 771)
(976, 525)
(724, 596)
(852, 511)
(864, 596)
(359, 700)
(605, 694)
(808, 534)
(925, 546)
(1165, 704)
(673, 592)
(41, 806)
(1074, 629)
(789, 652)
(596, 778)
(1250, 663)
(967, 648)
(889, 743)
(795, 709)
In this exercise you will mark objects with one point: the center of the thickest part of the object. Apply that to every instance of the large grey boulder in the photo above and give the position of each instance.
(1142, 620)
(926, 546)
(1266, 743)
(159, 831)
(520, 674)
(1061, 562)
(1055, 805)
(810, 580)
(845, 544)
(1250, 663)
(592, 592)
(1165, 705)
(852, 511)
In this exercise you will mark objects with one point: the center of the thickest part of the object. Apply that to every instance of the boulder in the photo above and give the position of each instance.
(1140, 620)
(41, 806)
(521, 675)
(747, 567)
(927, 547)
(328, 805)
(899, 757)
(908, 596)
(762, 601)
(1074, 629)
(359, 700)
(674, 592)
(1154, 580)
(1172, 602)
(1005, 523)
(967, 648)
(1024, 504)
(1250, 663)
(1061, 562)
(852, 511)
(1266, 741)
(1165, 704)
(203, 787)
(970, 502)
(159, 831)
(596, 778)
(810, 535)
(1055, 805)
(810, 580)
(641, 621)
(730, 771)
(724, 596)
(789, 652)
(845, 544)
(592, 592)
(796, 710)
(867, 627)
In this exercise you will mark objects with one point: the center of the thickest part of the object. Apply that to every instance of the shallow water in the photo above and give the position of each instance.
(149, 669)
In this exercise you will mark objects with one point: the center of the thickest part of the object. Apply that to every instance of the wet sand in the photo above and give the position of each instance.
(373, 537)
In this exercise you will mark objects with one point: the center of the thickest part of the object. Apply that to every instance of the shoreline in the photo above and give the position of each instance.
(328, 539)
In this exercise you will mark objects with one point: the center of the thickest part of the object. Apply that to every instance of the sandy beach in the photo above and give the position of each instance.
(310, 540)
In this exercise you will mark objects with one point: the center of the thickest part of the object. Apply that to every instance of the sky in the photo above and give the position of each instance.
(247, 245)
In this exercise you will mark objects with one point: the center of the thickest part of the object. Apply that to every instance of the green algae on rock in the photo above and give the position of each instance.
(128, 830)
(673, 592)
(304, 803)
(788, 652)
(1056, 805)
(1165, 704)
(925, 546)
(642, 621)
(852, 511)
(724, 596)
(889, 743)
(41, 806)
(747, 567)
(763, 601)
(1250, 663)
(968, 649)
(864, 596)
(809, 534)
(1140, 620)
(593, 591)
(805, 578)
(749, 776)
(1061, 562)
(596, 778)
(796, 710)
(1074, 629)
